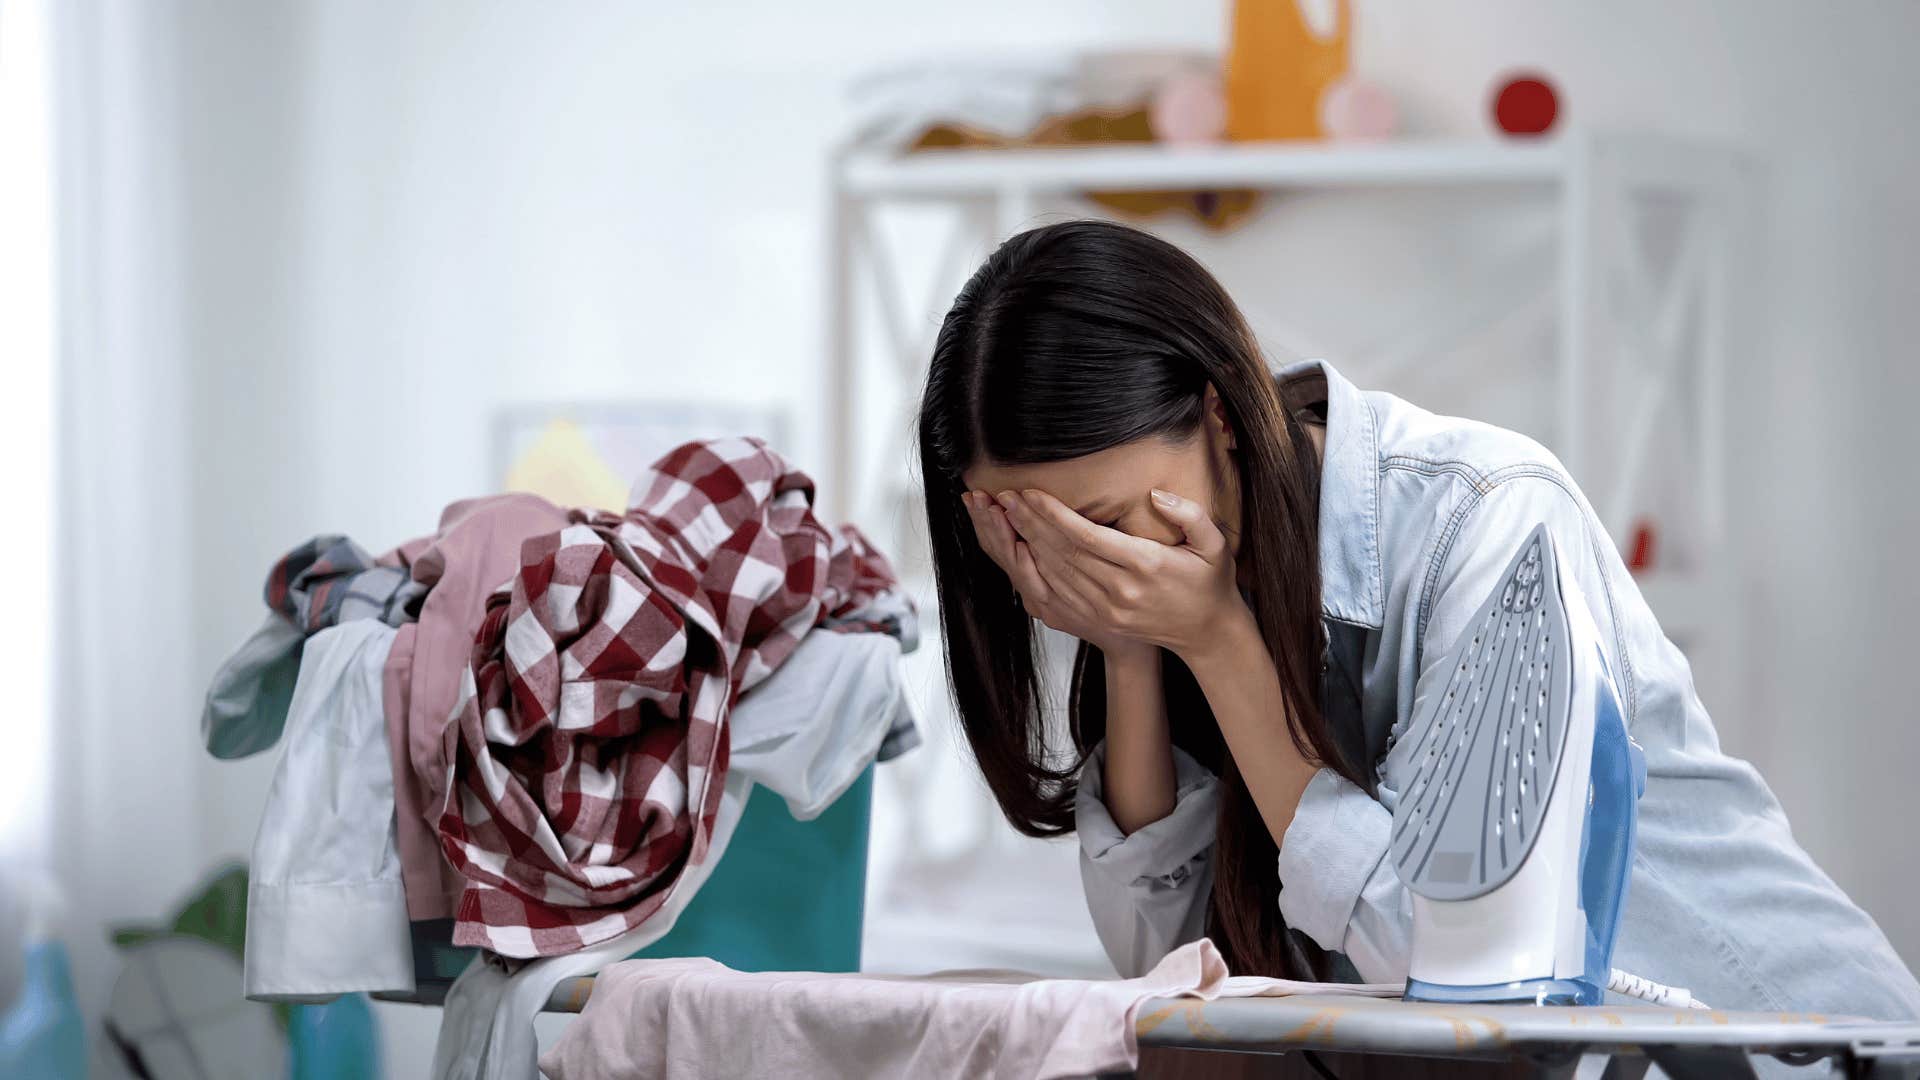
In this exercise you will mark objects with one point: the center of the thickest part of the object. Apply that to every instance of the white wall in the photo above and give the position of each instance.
(377, 223)
(27, 319)
(127, 838)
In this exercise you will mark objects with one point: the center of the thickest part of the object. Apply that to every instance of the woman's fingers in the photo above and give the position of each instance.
(1052, 553)
(1080, 596)
(1073, 532)
(1033, 528)
(1068, 584)
(1046, 600)
(1201, 534)
(991, 530)
(998, 540)
(1039, 595)
(1056, 537)
(1061, 604)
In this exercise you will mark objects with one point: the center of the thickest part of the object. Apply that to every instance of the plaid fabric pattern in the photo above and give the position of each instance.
(330, 579)
(589, 744)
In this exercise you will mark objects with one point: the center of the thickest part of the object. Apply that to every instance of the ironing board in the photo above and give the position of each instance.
(1616, 1042)
(1684, 1042)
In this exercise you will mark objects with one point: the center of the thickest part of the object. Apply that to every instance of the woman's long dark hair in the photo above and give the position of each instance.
(1071, 339)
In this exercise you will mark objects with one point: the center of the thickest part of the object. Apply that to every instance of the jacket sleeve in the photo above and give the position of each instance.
(1147, 890)
(1337, 885)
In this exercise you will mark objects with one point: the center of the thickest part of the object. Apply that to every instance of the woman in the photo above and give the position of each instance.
(1265, 574)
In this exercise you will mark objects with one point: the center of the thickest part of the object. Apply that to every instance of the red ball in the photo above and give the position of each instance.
(1526, 105)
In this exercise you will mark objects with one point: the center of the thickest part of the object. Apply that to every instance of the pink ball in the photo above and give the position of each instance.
(1188, 108)
(1357, 109)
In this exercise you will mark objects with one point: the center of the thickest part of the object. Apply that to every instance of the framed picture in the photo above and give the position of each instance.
(590, 454)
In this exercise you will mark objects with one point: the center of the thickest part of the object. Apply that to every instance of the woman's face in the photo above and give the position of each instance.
(1111, 487)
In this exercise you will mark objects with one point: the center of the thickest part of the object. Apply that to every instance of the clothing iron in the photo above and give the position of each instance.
(1515, 835)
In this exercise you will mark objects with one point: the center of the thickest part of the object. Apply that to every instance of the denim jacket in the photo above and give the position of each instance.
(1419, 513)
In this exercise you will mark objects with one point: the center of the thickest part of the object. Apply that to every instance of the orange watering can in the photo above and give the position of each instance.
(1278, 65)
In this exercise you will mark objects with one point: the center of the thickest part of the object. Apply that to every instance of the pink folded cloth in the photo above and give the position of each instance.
(476, 548)
(698, 1018)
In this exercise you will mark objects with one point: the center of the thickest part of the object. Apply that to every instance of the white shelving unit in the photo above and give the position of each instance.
(1606, 354)
(1631, 332)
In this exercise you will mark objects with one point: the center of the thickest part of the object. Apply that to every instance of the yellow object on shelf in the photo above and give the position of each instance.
(1216, 210)
(1278, 65)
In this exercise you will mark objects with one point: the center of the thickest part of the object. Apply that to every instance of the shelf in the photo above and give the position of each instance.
(1240, 165)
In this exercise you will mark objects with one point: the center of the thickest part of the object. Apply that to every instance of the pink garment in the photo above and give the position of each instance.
(697, 1018)
(475, 550)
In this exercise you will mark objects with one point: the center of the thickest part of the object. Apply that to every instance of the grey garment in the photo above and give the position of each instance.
(461, 1048)
(329, 579)
(247, 701)
(486, 1021)
(1418, 515)
(322, 582)
(809, 730)
(902, 736)
(891, 613)
(326, 911)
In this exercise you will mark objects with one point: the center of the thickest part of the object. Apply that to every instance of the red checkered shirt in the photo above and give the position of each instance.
(588, 747)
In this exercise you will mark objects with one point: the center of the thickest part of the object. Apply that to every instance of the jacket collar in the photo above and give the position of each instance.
(1350, 584)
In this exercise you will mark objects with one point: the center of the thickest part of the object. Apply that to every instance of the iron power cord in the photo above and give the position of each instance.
(1625, 982)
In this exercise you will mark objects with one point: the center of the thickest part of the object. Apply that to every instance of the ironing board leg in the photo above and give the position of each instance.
(1595, 1067)
(1624, 1068)
(1702, 1062)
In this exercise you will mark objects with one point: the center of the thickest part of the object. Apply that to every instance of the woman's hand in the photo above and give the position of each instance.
(1015, 558)
(1181, 597)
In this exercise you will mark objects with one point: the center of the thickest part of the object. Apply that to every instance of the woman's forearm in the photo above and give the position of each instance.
(1236, 673)
(1139, 778)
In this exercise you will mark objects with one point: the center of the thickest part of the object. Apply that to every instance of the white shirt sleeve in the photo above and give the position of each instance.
(1147, 890)
(1337, 886)
(326, 910)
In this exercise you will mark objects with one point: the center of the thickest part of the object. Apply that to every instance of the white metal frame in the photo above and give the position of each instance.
(1633, 346)
(1625, 333)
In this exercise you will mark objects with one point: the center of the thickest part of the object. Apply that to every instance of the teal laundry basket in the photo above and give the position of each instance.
(787, 895)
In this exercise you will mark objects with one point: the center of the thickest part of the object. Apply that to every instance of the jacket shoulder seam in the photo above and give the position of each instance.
(1450, 532)
(1434, 467)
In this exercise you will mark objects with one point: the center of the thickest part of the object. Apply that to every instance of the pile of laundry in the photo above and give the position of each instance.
(542, 724)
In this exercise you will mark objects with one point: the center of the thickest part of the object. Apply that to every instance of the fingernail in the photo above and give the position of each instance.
(1008, 501)
(1165, 499)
